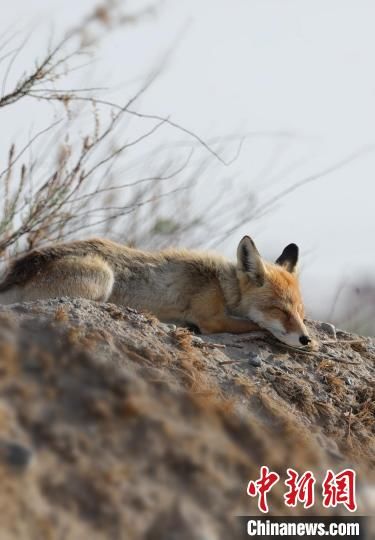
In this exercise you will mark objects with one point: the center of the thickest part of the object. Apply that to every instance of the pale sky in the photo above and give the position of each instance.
(299, 71)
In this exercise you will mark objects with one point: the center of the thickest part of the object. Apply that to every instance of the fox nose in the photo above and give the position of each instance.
(305, 340)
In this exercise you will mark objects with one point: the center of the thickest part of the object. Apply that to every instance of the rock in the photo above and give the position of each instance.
(255, 360)
(14, 454)
(168, 327)
(329, 329)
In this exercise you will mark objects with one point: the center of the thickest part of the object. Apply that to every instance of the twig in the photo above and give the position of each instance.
(318, 354)
(349, 341)
(341, 361)
(159, 118)
(296, 349)
(213, 345)
(227, 362)
(267, 205)
(256, 334)
(349, 434)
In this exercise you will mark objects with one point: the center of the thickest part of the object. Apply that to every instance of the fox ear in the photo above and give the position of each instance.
(289, 258)
(249, 260)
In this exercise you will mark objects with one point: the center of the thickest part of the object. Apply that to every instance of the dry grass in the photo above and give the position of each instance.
(335, 385)
(59, 184)
(296, 391)
(61, 314)
(246, 386)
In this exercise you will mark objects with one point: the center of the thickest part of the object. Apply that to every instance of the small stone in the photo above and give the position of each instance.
(15, 454)
(171, 327)
(195, 340)
(255, 360)
(168, 327)
(131, 310)
(329, 329)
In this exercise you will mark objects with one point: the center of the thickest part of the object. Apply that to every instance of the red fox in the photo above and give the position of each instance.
(204, 290)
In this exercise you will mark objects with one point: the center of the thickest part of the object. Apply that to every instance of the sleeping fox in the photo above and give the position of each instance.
(200, 289)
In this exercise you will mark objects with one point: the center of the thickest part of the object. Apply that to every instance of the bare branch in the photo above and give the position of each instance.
(267, 205)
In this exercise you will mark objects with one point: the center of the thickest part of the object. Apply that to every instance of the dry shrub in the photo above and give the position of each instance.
(326, 365)
(183, 338)
(365, 413)
(327, 414)
(246, 385)
(74, 335)
(295, 390)
(61, 315)
(335, 385)
(68, 178)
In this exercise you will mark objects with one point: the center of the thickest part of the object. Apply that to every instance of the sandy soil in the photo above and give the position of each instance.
(115, 426)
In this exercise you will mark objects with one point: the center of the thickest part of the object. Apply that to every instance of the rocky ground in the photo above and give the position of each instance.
(115, 426)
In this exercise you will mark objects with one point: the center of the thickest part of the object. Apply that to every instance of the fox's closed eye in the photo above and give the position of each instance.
(281, 310)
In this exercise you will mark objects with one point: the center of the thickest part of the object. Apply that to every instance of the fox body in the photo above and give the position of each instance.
(186, 287)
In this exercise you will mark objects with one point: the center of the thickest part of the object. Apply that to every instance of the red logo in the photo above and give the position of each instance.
(336, 489)
(301, 489)
(262, 486)
(340, 489)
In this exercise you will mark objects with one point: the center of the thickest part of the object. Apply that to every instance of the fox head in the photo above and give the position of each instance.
(270, 293)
